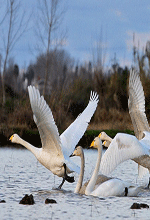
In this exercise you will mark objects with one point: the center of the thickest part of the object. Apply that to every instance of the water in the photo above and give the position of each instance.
(21, 174)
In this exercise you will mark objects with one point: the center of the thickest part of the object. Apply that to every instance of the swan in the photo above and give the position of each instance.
(103, 185)
(79, 188)
(136, 105)
(55, 151)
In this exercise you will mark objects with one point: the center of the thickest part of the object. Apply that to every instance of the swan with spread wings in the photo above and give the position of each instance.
(55, 151)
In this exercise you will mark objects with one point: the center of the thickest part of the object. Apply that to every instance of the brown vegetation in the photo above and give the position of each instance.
(68, 92)
(67, 102)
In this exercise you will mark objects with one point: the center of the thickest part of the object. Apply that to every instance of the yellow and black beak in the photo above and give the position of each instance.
(11, 138)
(104, 143)
(92, 144)
(99, 135)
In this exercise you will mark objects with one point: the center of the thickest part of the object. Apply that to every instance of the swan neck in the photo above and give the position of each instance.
(30, 147)
(80, 180)
(92, 182)
(109, 138)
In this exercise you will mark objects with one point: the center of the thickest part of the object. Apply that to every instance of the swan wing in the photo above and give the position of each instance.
(44, 120)
(71, 136)
(122, 147)
(136, 105)
(142, 171)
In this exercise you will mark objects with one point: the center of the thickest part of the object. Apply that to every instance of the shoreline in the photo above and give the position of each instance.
(33, 137)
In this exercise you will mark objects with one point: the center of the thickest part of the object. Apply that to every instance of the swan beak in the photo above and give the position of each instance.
(99, 135)
(92, 144)
(104, 143)
(11, 138)
(72, 155)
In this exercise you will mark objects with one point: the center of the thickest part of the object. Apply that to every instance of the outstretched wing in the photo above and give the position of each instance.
(71, 136)
(122, 147)
(136, 105)
(45, 122)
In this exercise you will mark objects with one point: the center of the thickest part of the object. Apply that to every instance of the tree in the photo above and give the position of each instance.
(12, 28)
(50, 19)
(60, 69)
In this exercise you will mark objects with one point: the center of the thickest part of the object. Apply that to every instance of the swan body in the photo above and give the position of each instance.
(116, 187)
(43, 157)
(113, 187)
(110, 187)
(55, 151)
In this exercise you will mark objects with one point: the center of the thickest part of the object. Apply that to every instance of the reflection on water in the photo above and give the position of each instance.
(21, 174)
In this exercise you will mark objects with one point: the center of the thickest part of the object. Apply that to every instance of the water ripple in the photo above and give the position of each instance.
(19, 178)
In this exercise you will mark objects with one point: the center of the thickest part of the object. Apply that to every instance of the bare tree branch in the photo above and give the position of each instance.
(50, 18)
(17, 26)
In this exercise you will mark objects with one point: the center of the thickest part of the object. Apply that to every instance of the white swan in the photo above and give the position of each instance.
(55, 151)
(107, 186)
(79, 188)
(136, 104)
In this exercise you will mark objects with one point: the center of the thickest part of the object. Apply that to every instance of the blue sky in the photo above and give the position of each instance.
(88, 21)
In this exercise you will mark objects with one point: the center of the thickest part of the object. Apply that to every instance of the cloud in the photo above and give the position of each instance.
(120, 15)
(140, 39)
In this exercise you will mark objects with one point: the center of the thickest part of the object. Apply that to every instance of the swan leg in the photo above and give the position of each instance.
(69, 179)
(148, 183)
(126, 191)
(59, 187)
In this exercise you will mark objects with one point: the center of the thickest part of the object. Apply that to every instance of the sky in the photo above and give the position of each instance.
(89, 23)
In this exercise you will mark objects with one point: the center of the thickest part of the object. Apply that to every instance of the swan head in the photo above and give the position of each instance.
(96, 142)
(77, 152)
(106, 143)
(14, 138)
(103, 135)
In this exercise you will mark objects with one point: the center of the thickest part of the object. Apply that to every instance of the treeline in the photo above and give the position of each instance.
(68, 90)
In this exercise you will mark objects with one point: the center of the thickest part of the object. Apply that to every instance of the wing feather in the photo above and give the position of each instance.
(122, 147)
(136, 104)
(45, 122)
(71, 136)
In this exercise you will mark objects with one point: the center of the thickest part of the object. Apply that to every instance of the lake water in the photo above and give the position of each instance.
(21, 174)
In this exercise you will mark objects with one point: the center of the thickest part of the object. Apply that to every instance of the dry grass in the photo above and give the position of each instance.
(112, 119)
(18, 113)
